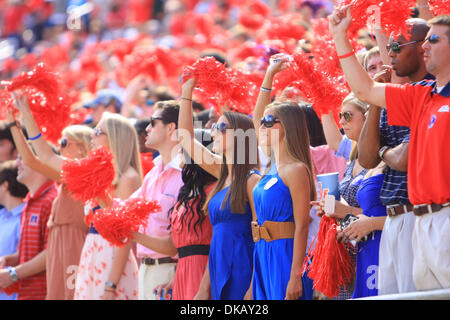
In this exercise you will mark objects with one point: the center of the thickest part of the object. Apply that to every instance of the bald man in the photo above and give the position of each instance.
(379, 141)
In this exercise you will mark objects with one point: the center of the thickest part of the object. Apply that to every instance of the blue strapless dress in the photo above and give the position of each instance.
(231, 250)
(273, 260)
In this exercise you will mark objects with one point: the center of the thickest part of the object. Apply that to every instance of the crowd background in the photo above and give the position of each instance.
(126, 56)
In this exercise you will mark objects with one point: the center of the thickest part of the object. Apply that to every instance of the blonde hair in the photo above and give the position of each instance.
(369, 54)
(361, 106)
(82, 135)
(123, 143)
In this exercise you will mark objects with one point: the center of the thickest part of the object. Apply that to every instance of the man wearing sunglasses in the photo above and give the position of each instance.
(162, 183)
(382, 142)
(424, 108)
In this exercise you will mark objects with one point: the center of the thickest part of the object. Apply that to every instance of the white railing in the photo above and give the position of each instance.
(441, 294)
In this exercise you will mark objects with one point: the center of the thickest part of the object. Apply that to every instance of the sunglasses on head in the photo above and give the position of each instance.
(395, 46)
(98, 132)
(347, 115)
(219, 126)
(434, 38)
(269, 121)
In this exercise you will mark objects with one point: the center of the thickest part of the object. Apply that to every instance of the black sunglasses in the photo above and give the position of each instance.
(395, 46)
(152, 120)
(347, 115)
(434, 38)
(63, 143)
(269, 120)
(219, 126)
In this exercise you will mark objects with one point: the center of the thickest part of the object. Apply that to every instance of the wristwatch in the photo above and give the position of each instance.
(110, 284)
(382, 151)
(12, 124)
(13, 274)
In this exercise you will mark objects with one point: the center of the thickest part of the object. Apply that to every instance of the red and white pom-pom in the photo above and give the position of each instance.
(390, 15)
(117, 223)
(221, 86)
(329, 263)
(439, 7)
(90, 178)
(41, 79)
(6, 103)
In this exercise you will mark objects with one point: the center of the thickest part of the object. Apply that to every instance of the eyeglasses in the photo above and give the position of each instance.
(98, 132)
(269, 121)
(152, 120)
(219, 126)
(434, 38)
(347, 115)
(395, 46)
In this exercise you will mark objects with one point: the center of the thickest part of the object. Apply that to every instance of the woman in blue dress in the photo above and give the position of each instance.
(371, 221)
(230, 204)
(282, 198)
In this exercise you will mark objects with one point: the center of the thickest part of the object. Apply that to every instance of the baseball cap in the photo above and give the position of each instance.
(105, 97)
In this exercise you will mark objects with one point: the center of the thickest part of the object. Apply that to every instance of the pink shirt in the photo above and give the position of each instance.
(163, 185)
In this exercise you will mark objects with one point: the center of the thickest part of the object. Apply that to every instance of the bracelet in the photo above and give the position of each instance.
(265, 89)
(12, 124)
(186, 99)
(346, 55)
(113, 291)
(35, 138)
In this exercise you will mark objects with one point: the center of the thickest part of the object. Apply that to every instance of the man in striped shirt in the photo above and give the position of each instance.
(380, 141)
(27, 265)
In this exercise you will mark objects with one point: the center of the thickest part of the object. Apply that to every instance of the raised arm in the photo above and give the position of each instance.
(264, 97)
(360, 82)
(333, 135)
(28, 157)
(199, 153)
(42, 148)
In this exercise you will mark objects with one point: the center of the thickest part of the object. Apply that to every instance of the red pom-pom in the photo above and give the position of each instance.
(329, 263)
(391, 15)
(117, 223)
(6, 103)
(14, 288)
(439, 7)
(221, 86)
(90, 178)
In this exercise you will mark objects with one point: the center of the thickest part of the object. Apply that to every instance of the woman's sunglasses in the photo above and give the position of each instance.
(63, 143)
(434, 38)
(98, 132)
(269, 121)
(219, 126)
(347, 115)
(395, 46)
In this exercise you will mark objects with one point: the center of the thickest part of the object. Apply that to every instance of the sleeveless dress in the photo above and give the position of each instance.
(368, 252)
(66, 238)
(231, 251)
(273, 260)
(95, 266)
(190, 269)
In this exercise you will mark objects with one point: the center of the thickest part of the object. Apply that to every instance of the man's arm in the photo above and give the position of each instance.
(360, 82)
(369, 140)
(397, 158)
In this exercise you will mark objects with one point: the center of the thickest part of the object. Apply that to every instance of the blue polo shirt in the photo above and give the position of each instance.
(9, 236)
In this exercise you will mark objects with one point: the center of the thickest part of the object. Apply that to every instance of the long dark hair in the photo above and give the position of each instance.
(237, 193)
(192, 194)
